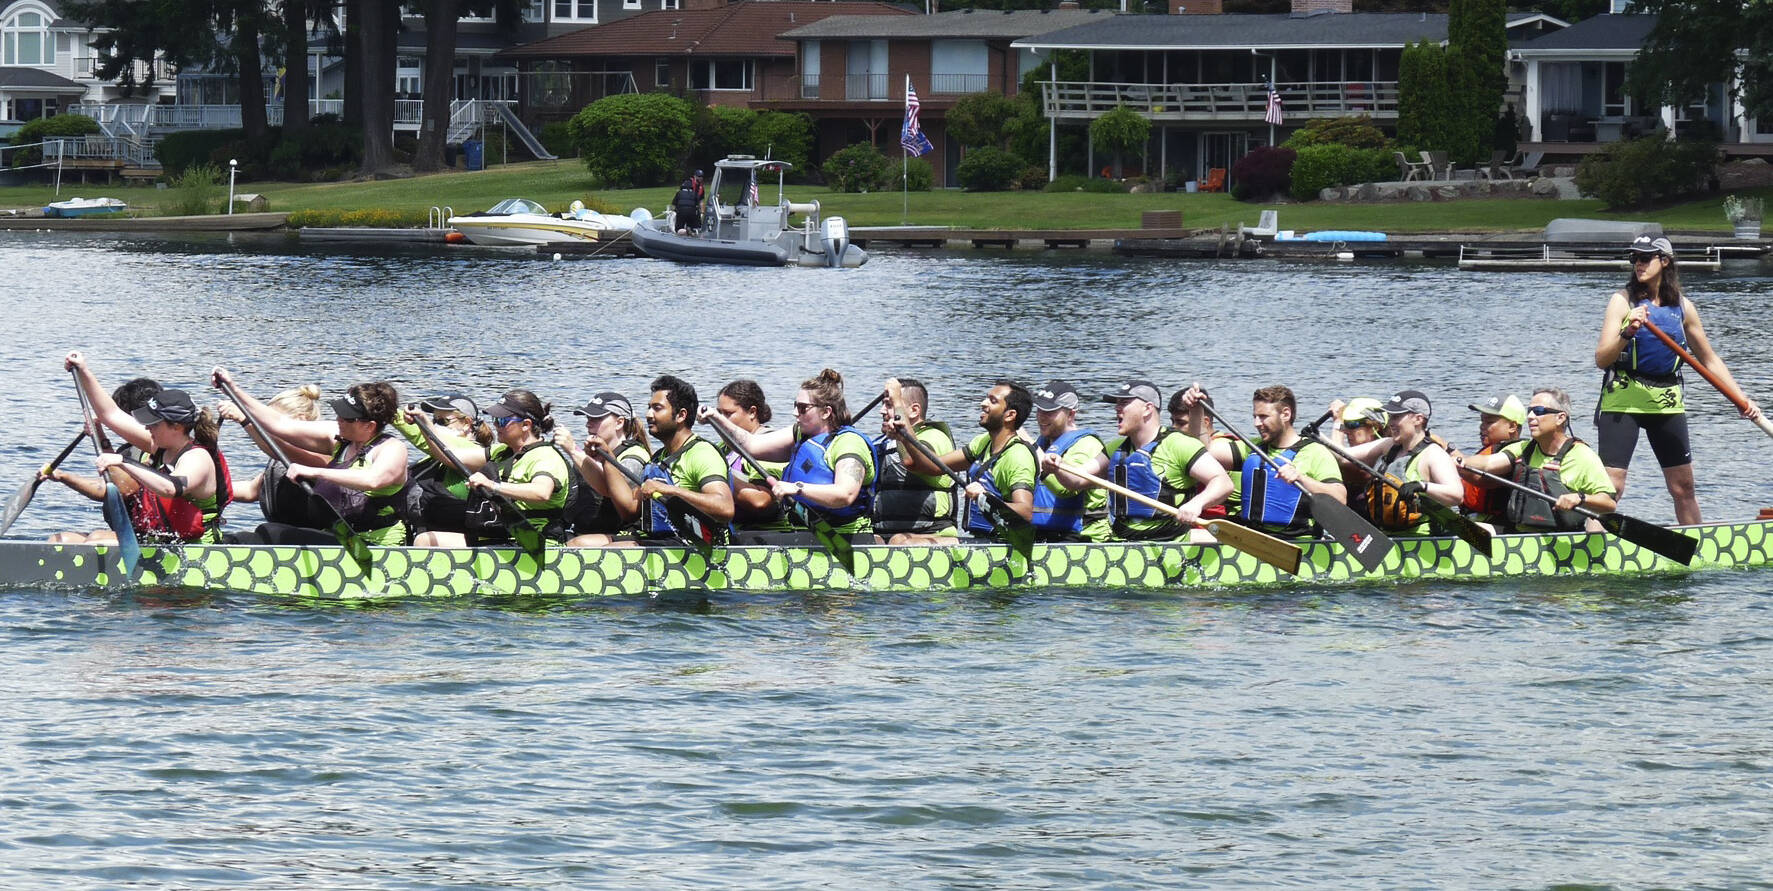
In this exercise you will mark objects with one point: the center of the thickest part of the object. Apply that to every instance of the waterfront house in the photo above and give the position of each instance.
(47, 64)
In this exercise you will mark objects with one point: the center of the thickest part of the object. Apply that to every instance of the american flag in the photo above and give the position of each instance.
(911, 135)
(753, 195)
(1274, 106)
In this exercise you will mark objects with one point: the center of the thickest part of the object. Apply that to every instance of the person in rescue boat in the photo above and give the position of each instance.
(1408, 453)
(997, 461)
(184, 481)
(1641, 384)
(912, 507)
(831, 467)
(686, 467)
(1551, 460)
(1156, 461)
(1270, 500)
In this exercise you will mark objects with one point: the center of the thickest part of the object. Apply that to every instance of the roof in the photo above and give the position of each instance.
(1236, 30)
(744, 28)
(969, 23)
(413, 40)
(37, 79)
(1601, 32)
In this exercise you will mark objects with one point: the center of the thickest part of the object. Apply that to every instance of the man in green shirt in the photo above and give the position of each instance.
(909, 507)
(1063, 506)
(997, 460)
(1270, 499)
(686, 467)
(1554, 462)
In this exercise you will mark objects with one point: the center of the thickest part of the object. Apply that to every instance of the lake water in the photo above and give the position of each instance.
(1549, 732)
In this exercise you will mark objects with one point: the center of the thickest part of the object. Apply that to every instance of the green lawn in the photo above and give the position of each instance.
(557, 183)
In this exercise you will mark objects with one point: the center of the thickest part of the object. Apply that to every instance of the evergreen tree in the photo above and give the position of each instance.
(1477, 49)
(1700, 42)
(1423, 97)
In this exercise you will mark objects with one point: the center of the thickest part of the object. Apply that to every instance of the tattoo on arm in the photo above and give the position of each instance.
(851, 469)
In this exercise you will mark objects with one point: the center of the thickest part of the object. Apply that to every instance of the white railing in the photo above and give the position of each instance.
(99, 148)
(1231, 102)
(865, 86)
(809, 86)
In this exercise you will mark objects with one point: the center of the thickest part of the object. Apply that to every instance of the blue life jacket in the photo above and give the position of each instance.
(1646, 356)
(1132, 469)
(809, 465)
(980, 472)
(1051, 512)
(1268, 499)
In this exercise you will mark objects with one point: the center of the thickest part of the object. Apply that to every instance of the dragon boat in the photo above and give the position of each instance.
(328, 573)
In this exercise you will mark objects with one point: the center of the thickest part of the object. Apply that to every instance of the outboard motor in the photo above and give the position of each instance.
(837, 240)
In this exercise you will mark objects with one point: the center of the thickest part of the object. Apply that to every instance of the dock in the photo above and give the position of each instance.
(1514, 251)
(610, 245)
(220, 222)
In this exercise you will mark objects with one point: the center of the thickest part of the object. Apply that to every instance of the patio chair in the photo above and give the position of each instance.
(1438, 165)
(1408, 170)
(1215, 181)
(1498, 168)
(1266, 227)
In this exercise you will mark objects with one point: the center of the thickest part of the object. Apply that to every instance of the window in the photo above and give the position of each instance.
(1613, 100)
(409, 81)
(575, 10)
(670, 4)
(661, 72)
(720, 74)
(536, 11)
(630, 4)
(25, 40)
(958, 66)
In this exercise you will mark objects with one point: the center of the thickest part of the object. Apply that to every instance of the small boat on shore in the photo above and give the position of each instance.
(327, 573)
(739, 229)
(81, 207)
(520, 221)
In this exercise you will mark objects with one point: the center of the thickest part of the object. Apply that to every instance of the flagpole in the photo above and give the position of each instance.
(905, 185)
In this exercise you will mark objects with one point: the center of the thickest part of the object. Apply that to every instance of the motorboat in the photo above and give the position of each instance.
(80, 207)
(520, 221)
(739, 229)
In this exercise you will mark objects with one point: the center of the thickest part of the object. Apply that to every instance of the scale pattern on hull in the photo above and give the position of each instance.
(328, 573)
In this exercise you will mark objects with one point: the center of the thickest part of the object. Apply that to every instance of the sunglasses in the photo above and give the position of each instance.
(507, 420)
(1641, 259)
(1356, 425)
(1540, 410)
(804, 407)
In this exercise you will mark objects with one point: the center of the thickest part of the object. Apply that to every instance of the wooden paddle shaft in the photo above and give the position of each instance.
(1731, 393)
(1121, 490)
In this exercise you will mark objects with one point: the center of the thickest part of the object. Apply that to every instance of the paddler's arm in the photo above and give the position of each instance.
(620, 492)
(1499, 463)
(1615, 333)
(1058, 470)
(315, 437)
(91, 487)
(714, 499)
(386, 467)
(105, 409)
(1289, 472)
(1441, 477)
(1700, 346)
(533, 491)
(838, 494)
(1215, 487)
(472, 454)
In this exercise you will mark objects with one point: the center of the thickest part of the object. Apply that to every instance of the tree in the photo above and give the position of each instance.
(980, 119)
(441, 17)
(1118, 132)
(1700, 42)
(1477, 56)
(634, 139)
(1422, 96)
(375, 45)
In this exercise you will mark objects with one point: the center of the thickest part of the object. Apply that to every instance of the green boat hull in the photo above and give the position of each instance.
(328, 573)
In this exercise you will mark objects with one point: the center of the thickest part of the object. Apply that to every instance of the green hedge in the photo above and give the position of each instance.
(48, 128)
(989, 170)
(185, 149)
(1640, 172)
(1319, 167)
(634, 139)
(858, 168)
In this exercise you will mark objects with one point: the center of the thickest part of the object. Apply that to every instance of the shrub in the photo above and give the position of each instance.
(1263, 173)
(784, 136)
(43, 128)
(1119, 132)
(1354, 131)
(858, 168)
(1033, 179)
(194, 192)
(979, 119)
(185, 149)
(1638, 172)
(919, 175)
(376, 219)
(557, 139)
(989, 169)
(723, 130)
(633, 139)
(1066, 182)
(1320, 166)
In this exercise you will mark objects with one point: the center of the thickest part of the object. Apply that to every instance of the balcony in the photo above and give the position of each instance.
(866, 86)
(809, 86)
(959, 83)
(1247, 103)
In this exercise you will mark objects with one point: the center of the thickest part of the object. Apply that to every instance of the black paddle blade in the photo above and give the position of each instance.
(529, 538)
(1363, 540)
(117, 517)
(20, 500)
(1467, 529)
(354, 545)
(835, 543)
(691, 527)
(1664, 541)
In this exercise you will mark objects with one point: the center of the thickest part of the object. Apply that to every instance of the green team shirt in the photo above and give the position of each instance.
(740, 470)
(1581, 470)
(1172, 459)
(939, 441)
(853, 445)
(542, 460)
(696, 465)
(457, 444)
(1629, 395)
(1015, 469)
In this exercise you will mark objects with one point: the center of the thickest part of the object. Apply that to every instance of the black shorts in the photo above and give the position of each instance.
(1616, 435)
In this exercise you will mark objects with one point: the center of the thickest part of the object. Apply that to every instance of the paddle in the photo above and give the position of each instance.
(1466, 528)
(1016, 530)
(835, 543)
(688, 525)
(1731, 393)
(116, 513)
(1276, 552)
(1368, 545)
(1664, 541)
(352, 542)
(527, 536)
(22, 497)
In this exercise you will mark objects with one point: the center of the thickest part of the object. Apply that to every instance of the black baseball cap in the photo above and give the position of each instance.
(167, 405)
(349, 408)
(455, 402)
(606, 403)
(508, 408)
(1054, 395)
(1407, 402)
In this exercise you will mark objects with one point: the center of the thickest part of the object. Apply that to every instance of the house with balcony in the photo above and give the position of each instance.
(713, 52)
(1575, 99)
(853, 70)
(47, 65)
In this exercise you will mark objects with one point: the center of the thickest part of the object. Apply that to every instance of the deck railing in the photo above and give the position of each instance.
(1223, 102)
(959, 83)
(866, 86)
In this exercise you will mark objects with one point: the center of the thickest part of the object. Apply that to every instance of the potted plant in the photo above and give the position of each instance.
(1745, 213)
